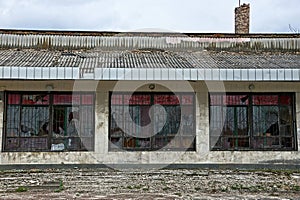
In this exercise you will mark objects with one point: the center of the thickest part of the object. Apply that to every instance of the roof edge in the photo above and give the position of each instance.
(152, 34)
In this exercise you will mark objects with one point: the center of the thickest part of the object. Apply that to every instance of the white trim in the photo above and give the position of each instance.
(68, 73)
(39, 73)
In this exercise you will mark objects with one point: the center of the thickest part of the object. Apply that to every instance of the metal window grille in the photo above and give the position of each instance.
(152, 121)
(252, 121)
(49, 122)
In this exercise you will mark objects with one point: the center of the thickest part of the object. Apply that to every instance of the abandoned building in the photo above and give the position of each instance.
(149, 98)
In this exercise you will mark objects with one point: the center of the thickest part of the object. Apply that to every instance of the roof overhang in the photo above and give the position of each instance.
(196, 74)
(39, 73)
(73, 73)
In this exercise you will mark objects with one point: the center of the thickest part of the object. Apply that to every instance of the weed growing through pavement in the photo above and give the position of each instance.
(22, 189)
(61, 186)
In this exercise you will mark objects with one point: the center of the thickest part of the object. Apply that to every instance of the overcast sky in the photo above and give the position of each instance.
(216, 16)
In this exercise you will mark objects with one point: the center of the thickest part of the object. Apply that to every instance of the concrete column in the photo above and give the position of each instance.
(1, 123)
(297, 102)
(101, 123)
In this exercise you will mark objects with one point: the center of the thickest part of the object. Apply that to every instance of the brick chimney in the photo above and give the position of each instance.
(242, 19)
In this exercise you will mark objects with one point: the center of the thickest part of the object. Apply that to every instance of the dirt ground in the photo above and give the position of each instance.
(104, 183)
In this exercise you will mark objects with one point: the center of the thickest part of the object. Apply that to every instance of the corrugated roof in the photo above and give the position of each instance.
(35, 56)
(94, 64)
(148, 58)
(125, 42)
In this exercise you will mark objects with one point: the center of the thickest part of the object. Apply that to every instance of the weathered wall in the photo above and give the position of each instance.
(202, 154)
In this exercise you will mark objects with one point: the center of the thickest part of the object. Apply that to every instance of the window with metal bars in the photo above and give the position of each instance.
(252, 121)
(37, 121)
(152, 121)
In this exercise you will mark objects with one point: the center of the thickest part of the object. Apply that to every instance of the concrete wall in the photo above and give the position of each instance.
(101, 155)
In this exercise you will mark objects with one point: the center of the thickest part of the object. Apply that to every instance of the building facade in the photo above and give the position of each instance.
(149, 98)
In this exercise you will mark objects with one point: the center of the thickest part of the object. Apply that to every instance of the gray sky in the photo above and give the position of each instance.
(129, 15)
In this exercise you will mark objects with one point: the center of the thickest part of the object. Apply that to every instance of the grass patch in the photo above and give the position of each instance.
(22, 189)
(60, 187)
(129, 187)
(178, 194)
(165, 188)
(257, 188)
(235, 187)
(137, 187)
(296, 188)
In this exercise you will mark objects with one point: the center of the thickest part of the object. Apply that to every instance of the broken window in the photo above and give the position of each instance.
(252, 121)
(152, 121)
(49, 122)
